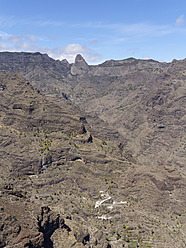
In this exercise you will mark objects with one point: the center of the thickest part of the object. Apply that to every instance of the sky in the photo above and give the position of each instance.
(98, 29)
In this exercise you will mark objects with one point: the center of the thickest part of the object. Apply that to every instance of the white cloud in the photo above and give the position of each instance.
(180, 20)
(75, 48)
(15, 43)
(17, 38)
(71, 50)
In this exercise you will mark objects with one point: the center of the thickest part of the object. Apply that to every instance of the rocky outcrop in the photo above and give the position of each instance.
(20, 228)
(48, 222)
(80, 66)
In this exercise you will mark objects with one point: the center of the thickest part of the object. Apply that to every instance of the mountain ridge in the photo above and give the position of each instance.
(97, 156)
(110, 92)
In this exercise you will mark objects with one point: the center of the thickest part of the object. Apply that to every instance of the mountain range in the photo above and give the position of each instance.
(92, 155)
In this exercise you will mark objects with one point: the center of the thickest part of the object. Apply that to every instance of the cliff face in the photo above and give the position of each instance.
(99, 162)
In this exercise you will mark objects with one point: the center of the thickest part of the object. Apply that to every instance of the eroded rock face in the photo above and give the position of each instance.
(27, 225)
(132, 153)
(48, 222)
(17, 226)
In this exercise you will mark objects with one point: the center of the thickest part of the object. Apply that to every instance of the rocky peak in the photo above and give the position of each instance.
(79, 59)
(64, 61)
(79, 66)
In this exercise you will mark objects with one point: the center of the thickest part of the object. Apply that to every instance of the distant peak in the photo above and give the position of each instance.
(79, 58)
(64, 61)
(79, 66)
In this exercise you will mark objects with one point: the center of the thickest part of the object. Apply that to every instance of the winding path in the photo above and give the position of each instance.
(105, 217)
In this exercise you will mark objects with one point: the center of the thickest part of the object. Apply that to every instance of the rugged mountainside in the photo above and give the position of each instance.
(106, 173)
(143, 101)
(46, 153)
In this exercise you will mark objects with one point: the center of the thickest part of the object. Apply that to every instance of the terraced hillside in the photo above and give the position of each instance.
(71, 178)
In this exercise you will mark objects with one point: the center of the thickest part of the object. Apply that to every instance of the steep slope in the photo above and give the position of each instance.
(144, 101)
(110, 192)
(63, 187)
(24, 114)
(39, 68)
(141, 102)
(41, 142)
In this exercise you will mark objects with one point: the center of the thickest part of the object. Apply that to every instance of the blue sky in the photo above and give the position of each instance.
(98, 29)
